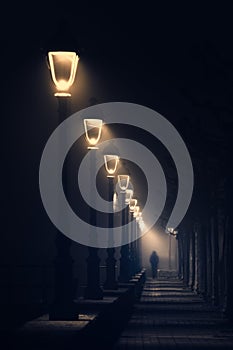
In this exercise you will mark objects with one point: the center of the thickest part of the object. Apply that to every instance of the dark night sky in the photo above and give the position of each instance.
(176, 59)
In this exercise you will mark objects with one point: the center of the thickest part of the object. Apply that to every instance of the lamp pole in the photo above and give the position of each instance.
(171, 231)
(63, 306)
(139, 240)
(124, 276)
(132, 205)
(169, 253)
(93, 289)
(136, 246)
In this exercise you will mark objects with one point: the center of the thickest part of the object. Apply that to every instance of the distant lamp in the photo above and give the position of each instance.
(136, 211)
(139, 216)
(111, 162)
(123, 182)
(128, 195)
(170, 230)
(132, 204)
(141, 224)
(63, 66)
(93, 129)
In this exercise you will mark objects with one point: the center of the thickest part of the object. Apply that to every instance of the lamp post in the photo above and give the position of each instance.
(124, 276)
(132, 204)
(175, 233)
(128, 197)
(171, 233)
(139, 221)
(137, 260)
(63, 68)
(93, 128)
(111, 162)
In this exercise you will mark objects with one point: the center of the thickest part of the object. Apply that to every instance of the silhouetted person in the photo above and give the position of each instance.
(154, 261)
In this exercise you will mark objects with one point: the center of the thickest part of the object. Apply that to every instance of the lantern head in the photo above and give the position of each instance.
(63, 66)
(93, 129)
(111, 162)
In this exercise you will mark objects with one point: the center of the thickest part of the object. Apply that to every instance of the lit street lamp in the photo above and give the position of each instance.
(93, 128)
(139, 223)
(171, 232)
(123, 182)
(137, 247)
(63, 68)
(111, 162)
(132, 204)
(128, 196)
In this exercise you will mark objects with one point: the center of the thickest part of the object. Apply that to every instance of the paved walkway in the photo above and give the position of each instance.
(169, 316)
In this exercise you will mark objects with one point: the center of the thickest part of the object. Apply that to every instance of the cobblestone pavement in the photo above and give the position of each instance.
(169, 316)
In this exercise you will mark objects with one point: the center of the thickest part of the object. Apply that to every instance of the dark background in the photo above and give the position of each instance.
(176, 59)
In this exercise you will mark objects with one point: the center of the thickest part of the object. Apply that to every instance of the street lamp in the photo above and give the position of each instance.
(128, 196)
(132, 204)
(136, 211)
(111, 161)
(123, 183)
(171, 232)
(174, 233)
(63, 66)
(137, 247)
(93, 128)
(139, 216)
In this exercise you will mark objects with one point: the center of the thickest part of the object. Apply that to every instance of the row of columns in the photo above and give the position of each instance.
(206, 250)
(63, 306)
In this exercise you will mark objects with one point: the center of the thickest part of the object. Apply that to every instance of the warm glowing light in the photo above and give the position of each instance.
(132, 204)
(123, 182)
(62, 94)
(93, 129)
(115, 202)
(136, 211)
(141, 223)
(63, 66)
(111, 162)
(128, 195)
(139, 216)
(170, 229)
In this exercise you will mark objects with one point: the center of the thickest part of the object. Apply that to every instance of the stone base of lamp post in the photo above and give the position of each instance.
(93, 289)
(110, 282)
(63, 306)
(124, 275)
